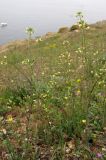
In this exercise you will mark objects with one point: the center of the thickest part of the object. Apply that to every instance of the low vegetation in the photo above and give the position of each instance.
(53, 97)
(63, 30)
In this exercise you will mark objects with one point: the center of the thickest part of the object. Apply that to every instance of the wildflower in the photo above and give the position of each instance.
(65, 98)
(5, 57)
(92, 72)
(1, 62)
(12, 81)
(66, 42)
(104, 149)
(26, 139)
(84, 121)
(4, 131)
(9, 118)
(99, 155)
(53, 75)
(104, 128)
(78, 92)
(26, 61)
(78, 80)
(44, 95)
(50, 123)
(40, 39)
(99, 83)
(29, 31)
(79, 50)
(58, 72)
(43, 73)
(96, 75)
(88, 27)
(99, 94)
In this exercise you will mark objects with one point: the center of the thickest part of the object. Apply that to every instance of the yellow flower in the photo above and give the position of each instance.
(78, 80)
(65, 98)
(43, 73)
(84, 121)
(9, 118)
(44, 95)
(78, 92)
(88, 27)
(5, 57)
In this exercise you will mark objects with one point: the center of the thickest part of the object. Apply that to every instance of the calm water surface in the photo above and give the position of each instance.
(45, 15)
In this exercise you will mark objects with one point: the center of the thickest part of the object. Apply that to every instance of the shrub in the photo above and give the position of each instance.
(63, 30)
(77, 27)
(74, 27)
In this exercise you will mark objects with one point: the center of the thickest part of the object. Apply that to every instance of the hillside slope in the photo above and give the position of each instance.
(53, 96)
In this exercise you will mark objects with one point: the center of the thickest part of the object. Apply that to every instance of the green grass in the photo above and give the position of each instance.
(53, 97)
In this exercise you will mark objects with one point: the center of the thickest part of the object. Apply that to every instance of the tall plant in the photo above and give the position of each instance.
(30, 31)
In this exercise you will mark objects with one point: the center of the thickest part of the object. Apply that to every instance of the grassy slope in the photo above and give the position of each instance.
(50, 48)
(51, 61)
